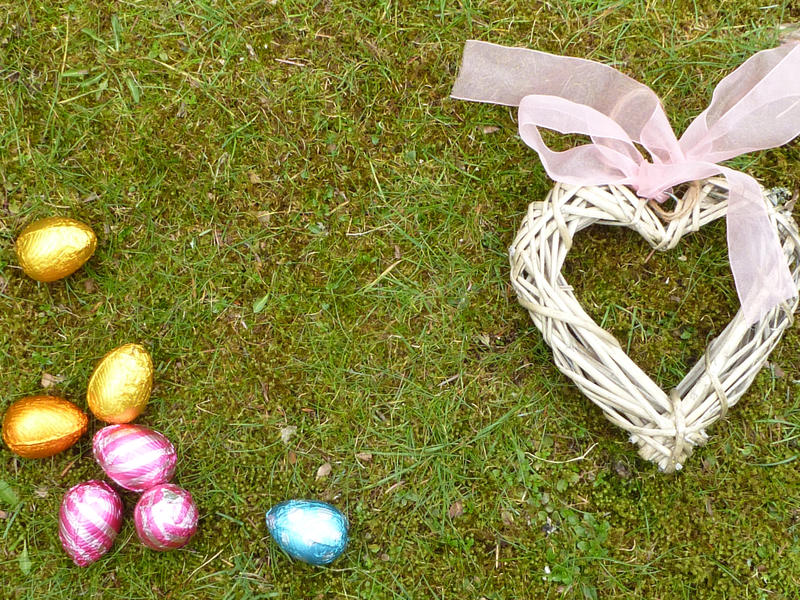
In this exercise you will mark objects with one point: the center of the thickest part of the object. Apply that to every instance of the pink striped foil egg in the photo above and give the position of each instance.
(89, 520)
(134, 457)
(165, 517)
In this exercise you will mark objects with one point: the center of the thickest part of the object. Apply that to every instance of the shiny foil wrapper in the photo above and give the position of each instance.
(134, 457)
(89, 520)
(165, 517)
(308, 530)
(41, 426)
(120, 385)
(54, 248)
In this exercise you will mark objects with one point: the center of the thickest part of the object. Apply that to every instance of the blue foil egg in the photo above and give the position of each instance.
(308, 530)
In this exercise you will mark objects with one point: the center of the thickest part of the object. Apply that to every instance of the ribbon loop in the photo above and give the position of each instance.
(611, 160)
(755, 107)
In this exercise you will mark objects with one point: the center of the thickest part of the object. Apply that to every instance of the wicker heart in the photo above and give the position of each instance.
(665, 426)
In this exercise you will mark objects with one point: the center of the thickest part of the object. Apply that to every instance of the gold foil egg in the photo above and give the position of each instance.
(41, 426)
(120, 385)
(54, 248)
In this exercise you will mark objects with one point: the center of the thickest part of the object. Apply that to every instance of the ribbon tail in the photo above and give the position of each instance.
(759, 266)
(503, 75)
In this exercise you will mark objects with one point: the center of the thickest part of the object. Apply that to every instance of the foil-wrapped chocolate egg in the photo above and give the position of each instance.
(120, 385)
(133, 456)
(89, 520)
(41, 426)
(55, 247)
(165, 517)
(308, 530)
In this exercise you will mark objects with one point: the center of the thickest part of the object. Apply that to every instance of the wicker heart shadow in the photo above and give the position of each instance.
(665, 426)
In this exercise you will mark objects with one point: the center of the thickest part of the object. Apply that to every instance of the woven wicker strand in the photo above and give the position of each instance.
(665, 426)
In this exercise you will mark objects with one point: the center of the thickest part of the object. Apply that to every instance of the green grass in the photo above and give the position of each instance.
(306, 232)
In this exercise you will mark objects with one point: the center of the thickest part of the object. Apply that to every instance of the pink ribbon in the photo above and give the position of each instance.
(755, 107)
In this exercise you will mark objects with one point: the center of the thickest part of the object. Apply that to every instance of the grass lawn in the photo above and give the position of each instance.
(310, 238)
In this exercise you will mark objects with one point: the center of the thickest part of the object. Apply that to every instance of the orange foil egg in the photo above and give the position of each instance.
(120, 385)
(41, 426)
(54, 248)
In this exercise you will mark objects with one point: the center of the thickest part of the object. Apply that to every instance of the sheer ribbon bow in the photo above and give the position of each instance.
(755, 107)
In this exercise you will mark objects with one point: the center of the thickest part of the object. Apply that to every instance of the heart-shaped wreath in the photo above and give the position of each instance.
(665, 426)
